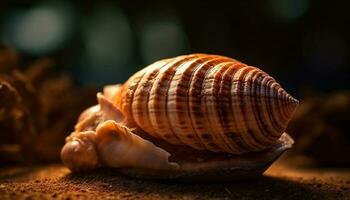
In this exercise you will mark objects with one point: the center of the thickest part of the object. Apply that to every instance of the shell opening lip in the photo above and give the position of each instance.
(219, 168)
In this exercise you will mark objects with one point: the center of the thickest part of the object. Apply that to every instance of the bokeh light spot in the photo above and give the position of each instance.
(288, 10)
(108, 37)
(162, 38)
(108, 43)
(39, 30)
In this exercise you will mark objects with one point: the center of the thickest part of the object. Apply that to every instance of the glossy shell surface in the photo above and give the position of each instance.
(207, 102)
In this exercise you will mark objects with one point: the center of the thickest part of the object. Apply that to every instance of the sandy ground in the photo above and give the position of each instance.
(281, 181)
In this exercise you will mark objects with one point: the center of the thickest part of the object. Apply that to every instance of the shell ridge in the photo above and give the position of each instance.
(263, 137)
(233, 134)
(140, 114)
(265, 98)
(205, 104)
(242, 87)
(236, 128)
(178, 64)
(268, 124)
(220, 108)
(259, 118)
(129, 114)
(237, 102)
(273, 120)
(212, 99)
(160, 135)
(166, 110)
(190, 69)
(190, 106)
(194, 102)
(278, 113)
(282, 104)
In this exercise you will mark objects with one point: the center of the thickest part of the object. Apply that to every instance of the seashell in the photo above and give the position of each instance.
(228, 115)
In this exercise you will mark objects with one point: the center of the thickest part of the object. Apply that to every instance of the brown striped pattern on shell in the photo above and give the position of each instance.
(207, 102)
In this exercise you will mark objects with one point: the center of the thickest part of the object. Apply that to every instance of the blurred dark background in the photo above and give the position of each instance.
(304, 44)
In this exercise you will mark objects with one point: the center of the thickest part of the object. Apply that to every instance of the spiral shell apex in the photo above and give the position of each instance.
(207, 102)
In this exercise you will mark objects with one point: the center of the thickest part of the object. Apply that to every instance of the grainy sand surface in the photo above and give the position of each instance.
(281, 181)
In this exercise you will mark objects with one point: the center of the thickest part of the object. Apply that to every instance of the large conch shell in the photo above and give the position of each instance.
(185, 117)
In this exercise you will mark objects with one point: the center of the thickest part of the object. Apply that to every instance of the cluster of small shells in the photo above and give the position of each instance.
(207, 102)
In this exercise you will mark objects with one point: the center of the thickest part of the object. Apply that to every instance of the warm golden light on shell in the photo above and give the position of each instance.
(184, 118)
(207, 102)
